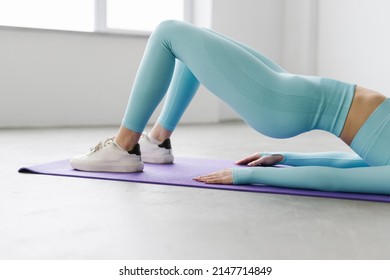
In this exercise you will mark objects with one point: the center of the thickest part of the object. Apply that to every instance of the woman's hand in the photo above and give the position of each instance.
(224, 176)
(257, 159)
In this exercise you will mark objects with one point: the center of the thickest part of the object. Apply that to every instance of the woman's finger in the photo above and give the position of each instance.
(248, 159)
(223, 176)
(267, 160)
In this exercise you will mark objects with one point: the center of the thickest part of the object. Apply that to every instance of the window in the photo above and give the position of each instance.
(143, 15)
(49, 14)
(91, 15)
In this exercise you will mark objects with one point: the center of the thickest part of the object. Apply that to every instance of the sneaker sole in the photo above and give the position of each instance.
(167, 159)
(105, 167)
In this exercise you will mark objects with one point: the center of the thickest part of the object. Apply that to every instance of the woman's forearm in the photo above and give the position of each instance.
(330, 159)
(361, 179)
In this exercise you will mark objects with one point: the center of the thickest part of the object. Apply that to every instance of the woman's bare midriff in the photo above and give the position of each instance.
(364, 103)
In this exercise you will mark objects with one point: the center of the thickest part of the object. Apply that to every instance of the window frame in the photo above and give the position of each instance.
(101, 19)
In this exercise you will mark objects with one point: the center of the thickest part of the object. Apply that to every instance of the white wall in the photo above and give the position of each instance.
(354, 42)
(56, 78)
(300, 36)
(64, 78)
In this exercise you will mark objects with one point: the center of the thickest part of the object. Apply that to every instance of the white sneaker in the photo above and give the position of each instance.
(108, 157)
(155, 153)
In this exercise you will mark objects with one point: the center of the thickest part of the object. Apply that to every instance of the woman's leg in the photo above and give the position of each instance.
(156, 70)
(180, 93)
(183, 88)
(258, 55)
(276, 104)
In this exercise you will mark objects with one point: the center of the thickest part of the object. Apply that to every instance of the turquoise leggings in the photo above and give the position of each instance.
(273, 102)
(180, 56)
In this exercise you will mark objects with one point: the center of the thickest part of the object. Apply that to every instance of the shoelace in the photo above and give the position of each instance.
(101, 144)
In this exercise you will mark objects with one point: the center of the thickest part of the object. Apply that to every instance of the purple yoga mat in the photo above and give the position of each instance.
(181, 173)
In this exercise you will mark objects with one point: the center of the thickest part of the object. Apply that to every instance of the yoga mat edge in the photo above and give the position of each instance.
(181, 174)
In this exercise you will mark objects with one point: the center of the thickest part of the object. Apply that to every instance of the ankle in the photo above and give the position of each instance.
(159, 133)
(126, 139)
(154, 140)
(124, 145)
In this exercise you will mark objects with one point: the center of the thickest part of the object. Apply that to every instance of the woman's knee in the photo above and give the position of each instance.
(169, 31)
(168, 26)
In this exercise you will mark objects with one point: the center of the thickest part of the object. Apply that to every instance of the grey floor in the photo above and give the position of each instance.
(47, 217)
